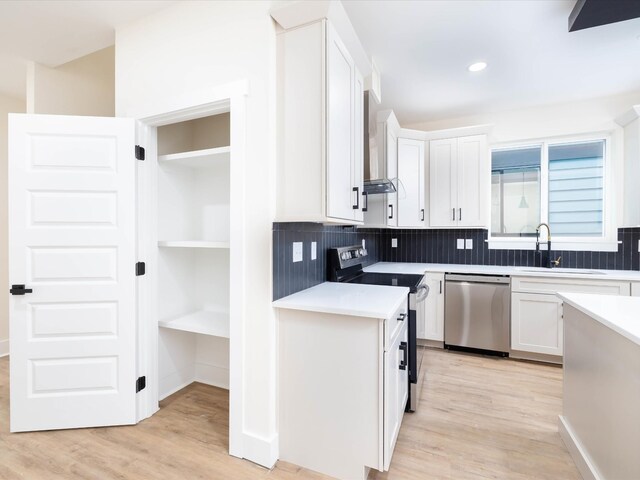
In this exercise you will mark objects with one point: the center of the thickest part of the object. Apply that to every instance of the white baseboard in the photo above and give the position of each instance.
(174, 382)
(580, 456)
(261, 450)
(4, 348)
(212, 375)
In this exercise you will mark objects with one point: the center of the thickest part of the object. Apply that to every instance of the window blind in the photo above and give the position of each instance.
(576, 189)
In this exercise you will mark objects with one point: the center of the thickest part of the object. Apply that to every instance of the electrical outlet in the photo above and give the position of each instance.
(314, 250)
(364, 244)
(638, 245)
(461, 244)
(297, 252)
(394, 243)
(468, 244)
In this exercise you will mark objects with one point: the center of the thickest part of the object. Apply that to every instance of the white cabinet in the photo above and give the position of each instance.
(411, 193)
(396, 391)
(635, 289)
(459, 182)
(536, 323)
(320, 122)
(536, 311)
(343, 387)
(391, 149)
(431, 324)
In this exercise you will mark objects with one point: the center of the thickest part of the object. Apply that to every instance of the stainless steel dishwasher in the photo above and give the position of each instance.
(477, 312)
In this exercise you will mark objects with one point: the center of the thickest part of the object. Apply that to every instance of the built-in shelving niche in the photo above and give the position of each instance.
(193, 252)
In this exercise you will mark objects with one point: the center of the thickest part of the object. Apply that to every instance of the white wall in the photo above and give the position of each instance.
(85, 86)
(7, 105)
(585, 116)
(189, 47)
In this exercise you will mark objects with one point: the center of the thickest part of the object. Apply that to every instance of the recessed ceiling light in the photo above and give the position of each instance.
(477, 67)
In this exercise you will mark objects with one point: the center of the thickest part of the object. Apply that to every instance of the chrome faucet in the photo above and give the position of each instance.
(548, 261)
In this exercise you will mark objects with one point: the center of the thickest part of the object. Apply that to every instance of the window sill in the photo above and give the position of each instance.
(556, 245)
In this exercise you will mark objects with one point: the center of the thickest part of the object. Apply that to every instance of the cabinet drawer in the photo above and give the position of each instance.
(569, 285)
(394, 325)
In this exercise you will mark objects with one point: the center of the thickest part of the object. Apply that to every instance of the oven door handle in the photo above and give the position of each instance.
(422, 292)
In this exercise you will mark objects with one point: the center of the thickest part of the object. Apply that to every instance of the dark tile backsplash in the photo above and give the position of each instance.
(423, 246)
(289, 277)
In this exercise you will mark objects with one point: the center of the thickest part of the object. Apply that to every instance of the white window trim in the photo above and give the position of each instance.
(608, 242)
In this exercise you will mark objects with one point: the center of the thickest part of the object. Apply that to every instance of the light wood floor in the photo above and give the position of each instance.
(478, 418)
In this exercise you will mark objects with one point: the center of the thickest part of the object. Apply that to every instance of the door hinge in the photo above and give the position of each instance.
(139, 152)
(141, 383)
(140, 268)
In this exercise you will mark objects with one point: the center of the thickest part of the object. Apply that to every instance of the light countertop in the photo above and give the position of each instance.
(421, 268)
(372, 301)
(621, 314)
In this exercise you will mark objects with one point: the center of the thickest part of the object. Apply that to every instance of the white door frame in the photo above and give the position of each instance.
(225, 98)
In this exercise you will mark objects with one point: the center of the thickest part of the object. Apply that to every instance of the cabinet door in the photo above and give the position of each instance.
(357, 167)
(536, 323)
(410, 183)
(340, 128)
(434, 309)
(391, 146)
(635, 289)
(396, 392)
(443, 185)
(472, 180)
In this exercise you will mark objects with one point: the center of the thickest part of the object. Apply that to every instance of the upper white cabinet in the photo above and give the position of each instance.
(458, 182)
(411, 182)
(320, 122)
(631, 200)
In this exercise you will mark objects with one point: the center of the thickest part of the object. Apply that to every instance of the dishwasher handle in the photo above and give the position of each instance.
(493, 279)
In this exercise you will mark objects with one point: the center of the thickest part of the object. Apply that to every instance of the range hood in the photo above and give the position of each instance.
(375, 161)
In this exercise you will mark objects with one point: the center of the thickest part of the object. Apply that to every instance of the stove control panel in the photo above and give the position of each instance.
(345, 258)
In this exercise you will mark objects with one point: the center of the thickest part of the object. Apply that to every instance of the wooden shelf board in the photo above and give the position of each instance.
(192, 244)
(198, 158)
(204, 322)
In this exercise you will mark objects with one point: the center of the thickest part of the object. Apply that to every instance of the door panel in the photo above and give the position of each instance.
(340, 125)
(536, 323)
(411, 183)
(471, 180)
(434, 308)
(392, 173)
(443, 182)
(72, 241)
(358, 162)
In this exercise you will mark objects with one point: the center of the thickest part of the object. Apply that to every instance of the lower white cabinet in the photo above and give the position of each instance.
(635, 289)
(343, 387)
(536, 311)
(536, 323)
(396, 391)
(431, 317)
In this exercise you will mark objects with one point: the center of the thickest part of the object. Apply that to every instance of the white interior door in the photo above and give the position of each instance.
(72, 242)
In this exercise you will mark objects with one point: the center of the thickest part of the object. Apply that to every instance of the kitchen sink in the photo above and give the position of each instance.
(569, 271)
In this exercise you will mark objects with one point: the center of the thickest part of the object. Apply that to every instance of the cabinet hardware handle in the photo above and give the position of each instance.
(405, 355)
(357, 205)
(422, 212)
(460, 214)
(401, 317)
(453, 214)
(365, 201)
(391, 214)
(440, 287)
(19, 290)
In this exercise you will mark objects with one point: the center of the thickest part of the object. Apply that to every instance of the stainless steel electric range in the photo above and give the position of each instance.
(345, 264)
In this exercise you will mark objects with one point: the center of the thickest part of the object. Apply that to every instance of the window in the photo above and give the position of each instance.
(559, 183)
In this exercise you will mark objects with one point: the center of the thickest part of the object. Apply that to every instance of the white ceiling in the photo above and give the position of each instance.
(423, 49)
(55, 32)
